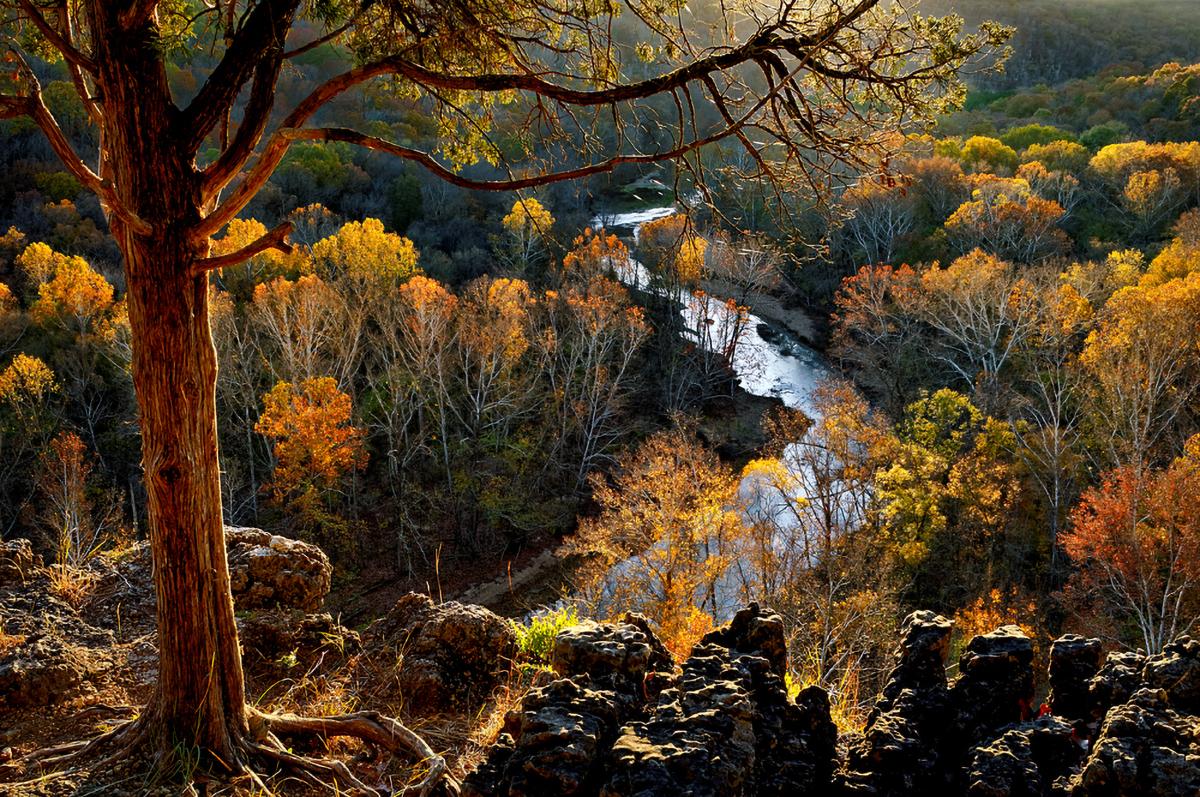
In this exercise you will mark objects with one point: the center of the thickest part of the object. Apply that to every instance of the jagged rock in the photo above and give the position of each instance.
(268, 571)
(17, 561)
(1145, 748)
(899, 751)
(43, 670)
(754, 631)
(1074, 661)
(995, 685)
(722, 726)
(450, 654)
(1035, 759)
(1115, 683)
(272, 634)
(628, 649)
(558, 742)
(725, 725)
(1177, 672)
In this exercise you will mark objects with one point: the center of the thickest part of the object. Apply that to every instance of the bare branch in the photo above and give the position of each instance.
(276, 238)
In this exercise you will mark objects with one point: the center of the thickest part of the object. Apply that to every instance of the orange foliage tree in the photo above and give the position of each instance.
(314, 444)
(1136, 542)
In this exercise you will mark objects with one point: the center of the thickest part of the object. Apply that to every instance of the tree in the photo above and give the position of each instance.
(814, 550)
(314, 444)
(1005, 218)
(982, 313)
(526, 233)
(1143, 364)
(67, 514)
(164, 205)
(664, 538)
(880, 216)
(1136, 541)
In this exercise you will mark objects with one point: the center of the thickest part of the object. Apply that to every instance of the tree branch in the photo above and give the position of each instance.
(56, 39)
(275, 238)
(254, 122)
(265, 30)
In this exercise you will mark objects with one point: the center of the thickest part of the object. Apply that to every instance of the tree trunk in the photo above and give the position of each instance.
(201, 695)
(199, 703)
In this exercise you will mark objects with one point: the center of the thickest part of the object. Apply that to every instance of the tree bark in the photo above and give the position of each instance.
(199, 702)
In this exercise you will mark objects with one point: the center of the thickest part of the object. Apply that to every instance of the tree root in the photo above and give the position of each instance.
(263, 743)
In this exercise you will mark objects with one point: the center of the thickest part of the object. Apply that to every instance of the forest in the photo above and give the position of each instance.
(577, 310)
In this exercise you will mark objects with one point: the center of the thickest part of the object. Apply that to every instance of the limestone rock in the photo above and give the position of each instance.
(1115, 683)
(17, 561)
(628, 649)
(268, 571)
(449, 655)
(1177, 672)
(1074, 661)
(995, 684)
(42, 671)
(1145, 749)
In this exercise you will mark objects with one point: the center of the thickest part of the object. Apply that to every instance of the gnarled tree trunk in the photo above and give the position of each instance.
(200, 699)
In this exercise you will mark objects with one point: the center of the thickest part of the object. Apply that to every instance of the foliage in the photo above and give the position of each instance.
(535, 636)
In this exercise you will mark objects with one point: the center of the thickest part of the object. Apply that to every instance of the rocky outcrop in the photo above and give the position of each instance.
(900, 752)
(1074, 661)
(267, 571)
(17, 561)
(1030, 760)
(271, 635)
(446, 655)
(43, 670)
(994, 688)
(1145, 748)
(628, 650)
(1149, 740)
(1115, 683)
(722, 725)
(1176, 671)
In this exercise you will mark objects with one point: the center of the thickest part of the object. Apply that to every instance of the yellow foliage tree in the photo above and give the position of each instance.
(367, 253)
(314, 444)
(527, 230)
(75, 298)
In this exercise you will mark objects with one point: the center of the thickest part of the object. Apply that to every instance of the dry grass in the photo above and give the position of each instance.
(74, 585)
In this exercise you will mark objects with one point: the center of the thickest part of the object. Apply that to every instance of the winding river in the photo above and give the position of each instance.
(776, 364)
(768, 360)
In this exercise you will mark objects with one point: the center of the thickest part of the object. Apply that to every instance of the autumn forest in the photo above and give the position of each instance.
(574, 310)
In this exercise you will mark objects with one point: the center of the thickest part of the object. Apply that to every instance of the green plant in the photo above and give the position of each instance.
(536, 638)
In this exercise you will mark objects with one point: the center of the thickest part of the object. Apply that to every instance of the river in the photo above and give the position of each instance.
(775, 364)
(769, 361)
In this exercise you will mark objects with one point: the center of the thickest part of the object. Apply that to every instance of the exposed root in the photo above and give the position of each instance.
(263, 744)
(369, 726)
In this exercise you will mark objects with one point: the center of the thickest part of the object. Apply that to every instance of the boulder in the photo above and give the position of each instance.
(628, 649)
(43, 670)
(273, 634)
(725, 726)
(17, 561)
(1145, 748)
(1115, 683)
(1034, 759)
(558, 742)
(1074, 661)
(995, 685)
(267, 571)
(1177, 672)
(447, 655)
(899, 752)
